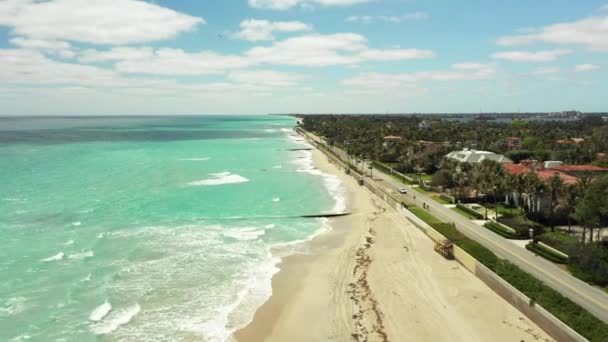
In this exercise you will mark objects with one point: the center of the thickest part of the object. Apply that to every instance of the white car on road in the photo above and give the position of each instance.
(403, 190)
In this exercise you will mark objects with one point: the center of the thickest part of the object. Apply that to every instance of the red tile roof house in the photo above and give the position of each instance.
(545, 175)
(390, 139)
(514, 143)
(430, 146)
(581, 170)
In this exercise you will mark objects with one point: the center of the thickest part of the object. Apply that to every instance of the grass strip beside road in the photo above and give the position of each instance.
(440, 200)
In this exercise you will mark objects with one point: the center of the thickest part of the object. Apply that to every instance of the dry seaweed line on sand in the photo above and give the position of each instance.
(369, 325)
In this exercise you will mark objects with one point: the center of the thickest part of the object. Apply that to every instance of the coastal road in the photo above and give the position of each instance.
(585, 295)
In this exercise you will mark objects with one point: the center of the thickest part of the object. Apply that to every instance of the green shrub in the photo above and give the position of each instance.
(447, 198)
(500, 230)
(546, 253)
(521, 225)
(589, 262)
(470, 211)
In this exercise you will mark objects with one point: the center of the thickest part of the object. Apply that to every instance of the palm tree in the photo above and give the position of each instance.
(556, 186)
(497, 179)
(478, 178)
(567, 200)
(532, 188)
(461, 179)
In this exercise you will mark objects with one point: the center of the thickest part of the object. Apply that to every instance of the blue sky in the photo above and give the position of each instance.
(86, 57)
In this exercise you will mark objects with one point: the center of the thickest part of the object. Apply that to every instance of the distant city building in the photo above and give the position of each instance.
(514, 143)
(605, 118)
(425, 125)
(574, 141)
(474, 156)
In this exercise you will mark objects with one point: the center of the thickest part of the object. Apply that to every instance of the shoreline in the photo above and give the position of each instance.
(296, 265)
(374, 277)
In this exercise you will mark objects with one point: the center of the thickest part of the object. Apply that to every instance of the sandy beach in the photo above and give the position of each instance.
(375, 277)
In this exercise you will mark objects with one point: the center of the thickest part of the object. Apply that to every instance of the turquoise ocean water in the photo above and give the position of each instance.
(148, 229)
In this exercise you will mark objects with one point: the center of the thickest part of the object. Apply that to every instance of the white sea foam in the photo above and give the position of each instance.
(100, 312)
(55, 257)
(68, 243)
(11, 199)
(196, 159)
(256, 289)
(22, 337)
(269, 226)
(13, 306)
(285, 249)
(244, 234)
(220, 179)
(271, 130)
(83, 255)
(76, 224)
(115, 319)
(276, 199)
(277, 167)
(332, 183)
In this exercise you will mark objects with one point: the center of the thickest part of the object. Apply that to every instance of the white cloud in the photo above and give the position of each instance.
(590, 32)
(62, 49)
(31, 72)
(116, 54)
(265, 78)
(40, 44)
(32, 67)
(395, 54)
(167, 61)
(99, 22)
(546, 71)
(458, 72)
(286, 4)
(313, 50)
(326, 50)
(586, 67)
(526, 56)
(257, 30)
(366, 19)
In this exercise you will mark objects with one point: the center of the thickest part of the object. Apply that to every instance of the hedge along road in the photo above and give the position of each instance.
(592, 299)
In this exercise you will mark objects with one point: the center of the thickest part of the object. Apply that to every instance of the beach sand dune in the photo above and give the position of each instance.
(375, 277)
